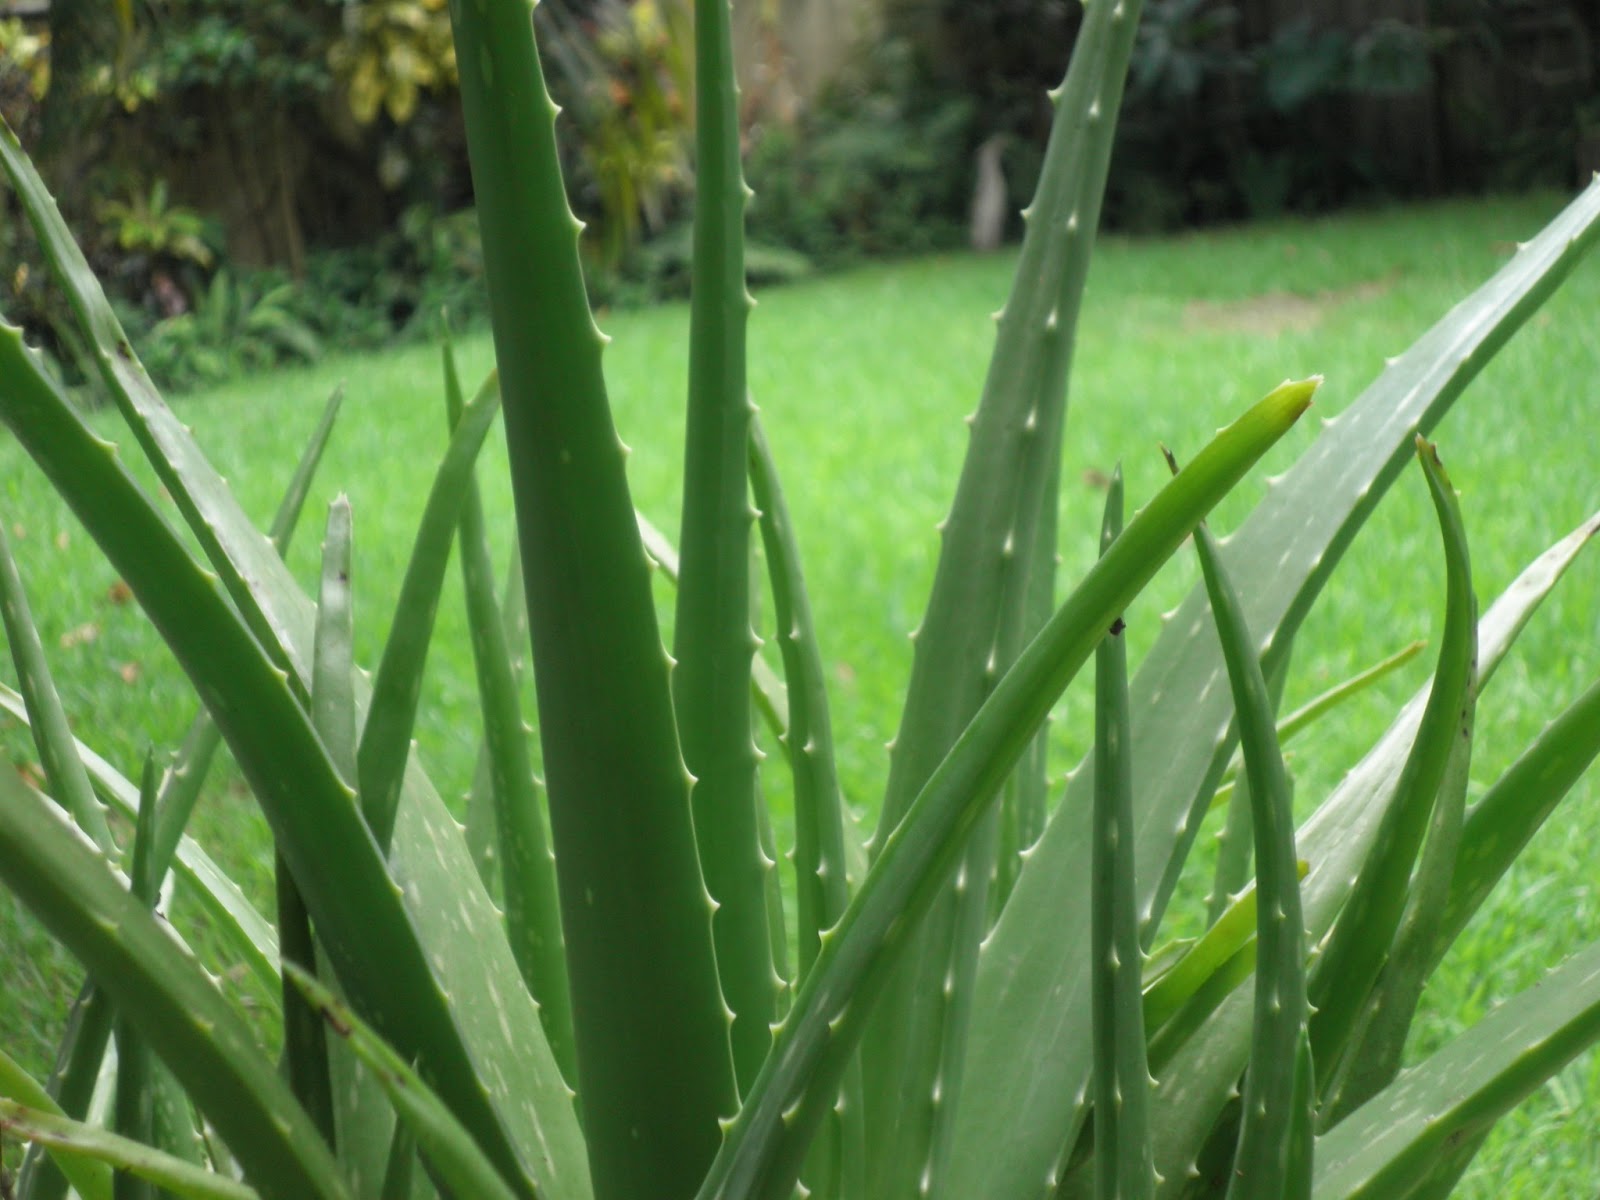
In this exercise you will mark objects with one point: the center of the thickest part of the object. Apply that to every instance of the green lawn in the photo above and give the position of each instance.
(863, 380)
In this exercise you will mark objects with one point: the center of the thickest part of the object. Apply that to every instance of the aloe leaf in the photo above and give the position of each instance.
(333, 703)
(1124, 1169)
(161, 989)
(1273, 1158)
(1023, 1057)
(914, 1055)
(766, 1141)
(634, 906)
(400, 1170)
(385, 946)
(1237, 839)
(1235, 845)
(1376, 1049)
(52, 735)
(333, 716)
(293, 501)
(820, 887)
(385, 745)
(713, 642)
(771, 697)
(482, 830)
(1398, 1138)
(527, 868)
(1365, 931)
(134, 1104)
(172, 1174)
(449, 1149)
(822, 890)
(1201, 1077)
(90, 1177)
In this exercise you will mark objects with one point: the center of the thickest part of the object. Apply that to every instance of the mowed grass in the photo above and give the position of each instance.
(863, 380)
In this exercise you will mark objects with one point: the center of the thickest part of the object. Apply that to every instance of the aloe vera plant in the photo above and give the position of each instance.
(970, 1002)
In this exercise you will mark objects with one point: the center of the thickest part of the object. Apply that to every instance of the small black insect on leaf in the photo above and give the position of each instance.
(1117, 627)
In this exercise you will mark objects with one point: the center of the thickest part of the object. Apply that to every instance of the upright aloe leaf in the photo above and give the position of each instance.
(482, 832)
(975, 621)
(333, 715)
(633, 903)
(397, 687)
(1124, 1169)
(822, 891)
(527, 868)
(1273, 1158)
(1364, 933)
(1024, 1056)
(713, 642)
(766, 1143)
(134, 1102)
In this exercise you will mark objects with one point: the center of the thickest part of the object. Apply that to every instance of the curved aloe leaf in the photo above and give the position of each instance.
(634, 906)
(397, 686)
(1373, 1059)
(766, 1142)
(975, 623)
(174, 1175)
(1273, 1158)
(1364, 934)
(448, 1148)
(1397, 1139)
(1124, 1169)
(162, 990)
(1024, 1058)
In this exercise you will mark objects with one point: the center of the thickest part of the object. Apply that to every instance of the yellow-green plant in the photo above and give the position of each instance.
(647, 1015)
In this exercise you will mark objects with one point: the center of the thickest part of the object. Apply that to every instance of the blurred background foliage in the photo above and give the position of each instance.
(259, 178)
